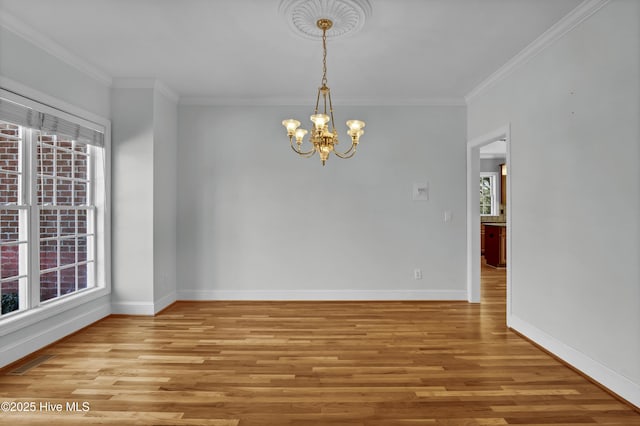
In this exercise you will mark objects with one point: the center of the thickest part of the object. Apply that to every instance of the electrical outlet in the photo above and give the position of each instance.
(417, 274)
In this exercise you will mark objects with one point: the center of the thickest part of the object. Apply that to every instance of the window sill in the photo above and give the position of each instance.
(55, 307)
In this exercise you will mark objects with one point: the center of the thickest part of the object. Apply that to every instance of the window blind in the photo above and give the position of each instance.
(22, 115)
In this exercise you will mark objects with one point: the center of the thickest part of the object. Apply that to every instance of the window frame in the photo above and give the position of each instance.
(39, 176)
(101, 189)
(494, 194)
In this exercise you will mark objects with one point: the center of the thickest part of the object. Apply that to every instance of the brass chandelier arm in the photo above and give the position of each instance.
(305, 154)
(348, 153)
(317, 100)
(333, 121)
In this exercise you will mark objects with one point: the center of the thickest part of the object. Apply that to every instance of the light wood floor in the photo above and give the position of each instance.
(311, 363)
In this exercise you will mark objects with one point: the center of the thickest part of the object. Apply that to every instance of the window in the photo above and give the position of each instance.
(66, 216)
(488, 194)
(13, 219)
(52, 205)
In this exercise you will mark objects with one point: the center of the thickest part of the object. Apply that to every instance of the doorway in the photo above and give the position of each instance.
(473, 213)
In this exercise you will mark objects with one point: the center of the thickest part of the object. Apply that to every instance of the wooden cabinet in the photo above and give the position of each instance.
(495, 244)
(482, 238)
(502, 257)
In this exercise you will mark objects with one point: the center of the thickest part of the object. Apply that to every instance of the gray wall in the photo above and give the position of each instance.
(165, 199)
(257, 221)
(491, 164)
(575, 232)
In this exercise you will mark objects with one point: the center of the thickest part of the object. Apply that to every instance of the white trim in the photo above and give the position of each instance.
(492, 156)
(47, 109)
(42, 98)
(390, 101)
(133, 83)
(16, 26)
(132, 308)
(553, 34)
(48, 310)
(146, 83)
(165, 90)
(326, 295)
(473, 213)
(275, 101)
(163, 302)
(50, 333)
(608, 378)
(143, 308)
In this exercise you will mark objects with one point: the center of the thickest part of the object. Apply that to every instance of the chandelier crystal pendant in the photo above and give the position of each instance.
(323, 139)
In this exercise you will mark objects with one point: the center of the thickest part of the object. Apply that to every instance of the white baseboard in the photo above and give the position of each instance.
(142, 308)
(50, 332)
(132, 308)
(163, 302)
(602, 374)
(325, 295)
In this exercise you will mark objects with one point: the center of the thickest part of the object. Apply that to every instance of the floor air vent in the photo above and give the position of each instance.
(29, 365)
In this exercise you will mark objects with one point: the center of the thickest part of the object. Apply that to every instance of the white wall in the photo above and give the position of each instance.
(144, 201)
(30, 71)
(255, 221)
(573, 111)
(132, 200)
(165, 199)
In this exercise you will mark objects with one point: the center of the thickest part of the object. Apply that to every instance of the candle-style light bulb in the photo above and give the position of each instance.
(355, 125)
(291, 125)
(299, 135)
(319, 120)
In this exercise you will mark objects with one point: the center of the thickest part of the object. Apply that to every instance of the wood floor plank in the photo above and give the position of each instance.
(311, 363)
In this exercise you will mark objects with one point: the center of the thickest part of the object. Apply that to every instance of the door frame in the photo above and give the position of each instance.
(473, 213)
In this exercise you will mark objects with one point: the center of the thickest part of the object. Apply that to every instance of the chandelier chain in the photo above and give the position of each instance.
(324, 57)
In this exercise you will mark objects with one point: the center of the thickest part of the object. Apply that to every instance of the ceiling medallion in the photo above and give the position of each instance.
(347, 16)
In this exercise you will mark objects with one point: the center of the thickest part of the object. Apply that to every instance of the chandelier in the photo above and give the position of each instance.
(323, 139)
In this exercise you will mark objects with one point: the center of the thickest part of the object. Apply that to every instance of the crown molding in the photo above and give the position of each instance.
(167, 91)
(549, 37)
(239, 101)
(146, 83)
(271, 101)
(133, 83)
(16, 26)
(388, 101)
(492, 156)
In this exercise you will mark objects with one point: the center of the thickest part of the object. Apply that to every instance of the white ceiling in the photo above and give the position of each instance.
(408, 50)
(497, 149)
